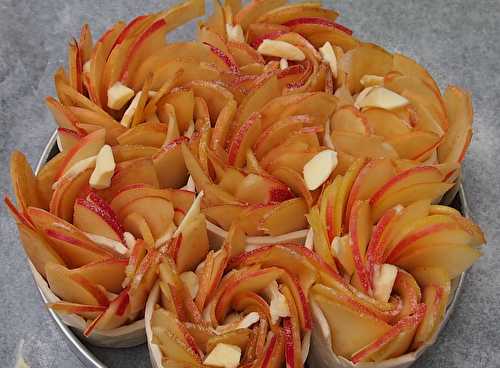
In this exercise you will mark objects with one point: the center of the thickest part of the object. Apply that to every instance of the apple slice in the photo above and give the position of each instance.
(351, 327)
(395, 342)
(45, 179)
(349, 119)
(194, 243)
(256, 189)
(286, 217)
(370, 179)
(273, 135)
(360, 228)
(86, 311)
(243, 281)
(408, 195)
(70, 243)
(385, 123)
(24, 183)
(289, 12)
(169, 165)
(252, 11)
(243, 139)
(342, 251)
(73, 288)
(63, 115)
(321, 243)
(147, 134)
(224, 215)
(67, 139)
(138, 171)
(455, 258)
(94, 215)
(136, 191)
(359, 145)
(115, 315)
(157, 211)
(108, 273)
(457, 138)
(341, 222)
(39, 251)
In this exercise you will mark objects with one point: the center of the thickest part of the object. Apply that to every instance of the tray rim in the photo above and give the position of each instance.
(89, 360)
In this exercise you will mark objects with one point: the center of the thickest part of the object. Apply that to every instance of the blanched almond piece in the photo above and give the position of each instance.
(129, 113)
(361, 96)
(108, 243)
(281, 49)
(235, 33)
(369, 80)
(381, 97)
(118, 95)
(224, 355)
(319, 168)
(283, 63)
(329, 56)
(191, 281)
(104, 169)
(250, 319)
(278, 305)
(86, 66)
(383, 281)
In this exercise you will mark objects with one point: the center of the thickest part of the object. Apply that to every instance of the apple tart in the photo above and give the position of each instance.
(270, 186)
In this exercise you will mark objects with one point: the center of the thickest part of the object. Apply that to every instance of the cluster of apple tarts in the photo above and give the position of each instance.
(267, 188)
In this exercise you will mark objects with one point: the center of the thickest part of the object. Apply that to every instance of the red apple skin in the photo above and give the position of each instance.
(225, 58)
(269, 352)
(16, 214)
(76, 308)
(407, 322)
(289, 344)
(320, 21)
(303, 304)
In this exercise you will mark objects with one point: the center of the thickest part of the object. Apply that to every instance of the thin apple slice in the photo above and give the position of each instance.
(114, 316)
(385, 123)
(157, 211)
(108, 273)
(67, 191)
(62, 114)
(69, 242)
(24, 183)
(46, 178)
(286, 217)
(457, 139)
(410, 67)
(67, 139)
(289, 12)
(351, 328)
(254, 10)
(193, 245)
(147, 134)
(296, 183)
(137, 171)
(349, 119)
(73, 288)
(395, 342)
(359, 145)
(83, 310)
(341, 223)
(243, 139)
(224, 215)
(273, 136)
(321, 245)
(416, 145)
(455, 258)
(360, 229)
(405, 179)
(94, 215)
(39, 251)
(327, 205)
(169, 165)
(136, 191)
(256, 189)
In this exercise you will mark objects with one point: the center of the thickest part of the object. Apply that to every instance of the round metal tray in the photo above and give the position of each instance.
(89, 360)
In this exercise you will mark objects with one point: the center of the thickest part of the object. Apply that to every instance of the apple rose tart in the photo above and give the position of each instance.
(270, 185)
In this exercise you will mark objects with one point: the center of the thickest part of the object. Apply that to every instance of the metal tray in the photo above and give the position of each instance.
(88, 358)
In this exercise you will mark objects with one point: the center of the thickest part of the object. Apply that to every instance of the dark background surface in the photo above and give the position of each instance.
(458, 41)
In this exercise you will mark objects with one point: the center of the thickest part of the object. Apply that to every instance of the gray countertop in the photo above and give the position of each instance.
(459, 43)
